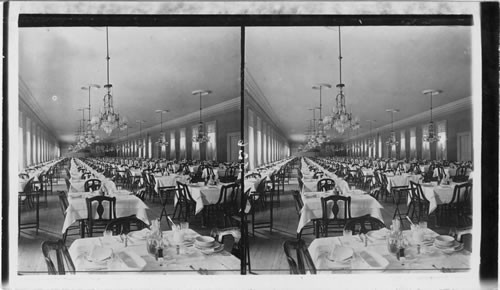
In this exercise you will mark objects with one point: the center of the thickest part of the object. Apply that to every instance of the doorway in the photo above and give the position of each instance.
(464, 146)
(232, 146)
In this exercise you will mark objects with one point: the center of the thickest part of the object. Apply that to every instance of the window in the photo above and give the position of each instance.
(212, 142)
(413, 143)
(150, 147)
(182, 144)
(172, 145)
(426, 148)
(195, 148)
(379, 146)
(251, 144)
(402, 144)
(259, 141)
(441, 153)
(264, 142)
(20, 140)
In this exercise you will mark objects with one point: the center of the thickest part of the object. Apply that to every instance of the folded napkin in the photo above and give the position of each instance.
(99, 254)
(141, 235)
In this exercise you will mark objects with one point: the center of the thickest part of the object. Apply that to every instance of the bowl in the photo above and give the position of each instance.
(444, 241)
(204, 241)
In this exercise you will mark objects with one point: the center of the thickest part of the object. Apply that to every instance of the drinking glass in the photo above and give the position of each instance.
(184, 226)
(347, 233)
(422, 225)
(392, 244)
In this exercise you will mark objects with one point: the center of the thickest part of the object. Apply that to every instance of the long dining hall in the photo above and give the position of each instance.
(325, 149)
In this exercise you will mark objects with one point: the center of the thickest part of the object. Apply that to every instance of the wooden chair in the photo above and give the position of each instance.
(62, 256)
(418, 209)
(363, 224)
(101, 222)
(86, 175)
(303, 258)
(460, 204)
(184, 200)
(253, 175)
(29, 196)
(298, 208)
(330, 205)
(92, 185)
(63, 203)
(124, 225)
(461, 174)
(325, 184)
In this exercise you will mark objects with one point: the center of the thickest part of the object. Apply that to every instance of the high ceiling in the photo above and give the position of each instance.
(150, 68)
(157, 68)
(382, 67)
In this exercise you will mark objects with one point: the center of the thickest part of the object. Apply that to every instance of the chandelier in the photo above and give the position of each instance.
(392, 138)
(340, 119)
(162, 140)
(108, 120)
(202, 136)
(140, 143)
(431, 136)
(90, 135)
(313, 136)
(320, 128)
(371, 143)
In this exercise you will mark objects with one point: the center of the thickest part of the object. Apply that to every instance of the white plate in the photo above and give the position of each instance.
(444, 241)
(208, 248)
(374, 260)
(217, 249)
(379, 234)
(340, 254)
(131, 261)
(453, 246)
(99, 254)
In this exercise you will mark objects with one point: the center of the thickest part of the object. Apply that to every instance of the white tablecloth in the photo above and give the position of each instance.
(361, 204)
(169, 180)
(216, 263)
(439, 194)
(126, 205)
(204, 195)
(430, 255)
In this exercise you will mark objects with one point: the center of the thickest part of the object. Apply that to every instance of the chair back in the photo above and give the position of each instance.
(331, 204)
(125, 225)
(462, 193)
(92, 185)
(302, 256)
(363, 224)
(184, 193)
(325, 184)
(301, 184)
(24, 176)
(253, 175)
(63, 202)
(86, 175)
(62, 257)
(298, 202)
(100, 200)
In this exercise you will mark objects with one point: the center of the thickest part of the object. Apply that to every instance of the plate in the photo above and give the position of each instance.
(204, 241)
(99, 254)
(217, 249)
(453, 246)
(444, 241)
(374, 260)
(131, 261)
(340, 254)
(140, 235)
(379, 234)
(207, 248)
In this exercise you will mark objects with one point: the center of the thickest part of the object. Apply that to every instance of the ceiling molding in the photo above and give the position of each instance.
(423, 117)
(212, 111)
(26, 96)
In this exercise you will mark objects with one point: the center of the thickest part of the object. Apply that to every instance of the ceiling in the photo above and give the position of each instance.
(150, 68)
(158, 68)
(382, 67)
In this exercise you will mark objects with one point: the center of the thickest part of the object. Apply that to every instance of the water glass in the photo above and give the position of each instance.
(184, 226)
(347, 233)
(422, 225)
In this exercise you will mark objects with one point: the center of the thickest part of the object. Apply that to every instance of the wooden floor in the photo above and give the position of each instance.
(266, 252)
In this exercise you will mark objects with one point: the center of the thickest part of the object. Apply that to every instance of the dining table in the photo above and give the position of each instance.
(127, 204)
(361, 204)
(100, 255)
(438, 194)
(204, 194)
(350, 254)
(169, 180)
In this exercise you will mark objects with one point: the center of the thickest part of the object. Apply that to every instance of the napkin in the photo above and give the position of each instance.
(99, 254)
(141, 235)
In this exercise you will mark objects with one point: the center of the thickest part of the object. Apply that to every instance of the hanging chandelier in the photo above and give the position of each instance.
(90, 134)
(108, 120)
(162, 140)
(140, 143)
(340, 119)
(371, 143)
(313, 136)
(320, 131)
(392, 138)
(431, 136)
(202, 136)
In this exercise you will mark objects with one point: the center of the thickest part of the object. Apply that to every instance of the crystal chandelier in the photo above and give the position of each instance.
(371, 143)
(320, 131)
(202, 136)
(140, 143)
(340, 119)
(313, 136)
(108, 119)
(162, 140)
(431, 136)
(90, 135)
(392, 138)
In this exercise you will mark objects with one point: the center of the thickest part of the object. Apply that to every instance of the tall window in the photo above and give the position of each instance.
(441, 153)
(402, 144)
(379, 146)
(182, 143)
(264, 142)
(259, 141)
(212, 142)
(195, 149)
(413, 143)
(426, 148)
(172, 145)
(150, 147)
(20, 140)
(251, 144)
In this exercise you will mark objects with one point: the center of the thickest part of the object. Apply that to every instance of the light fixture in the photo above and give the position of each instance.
(90, 134)
(313, 134)
(371, 143)
(108, 120)
(431, 136)
(392, 138)
(340, 119)
(201, 137)
(320, 131)
(140, 144)
(162, 140)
